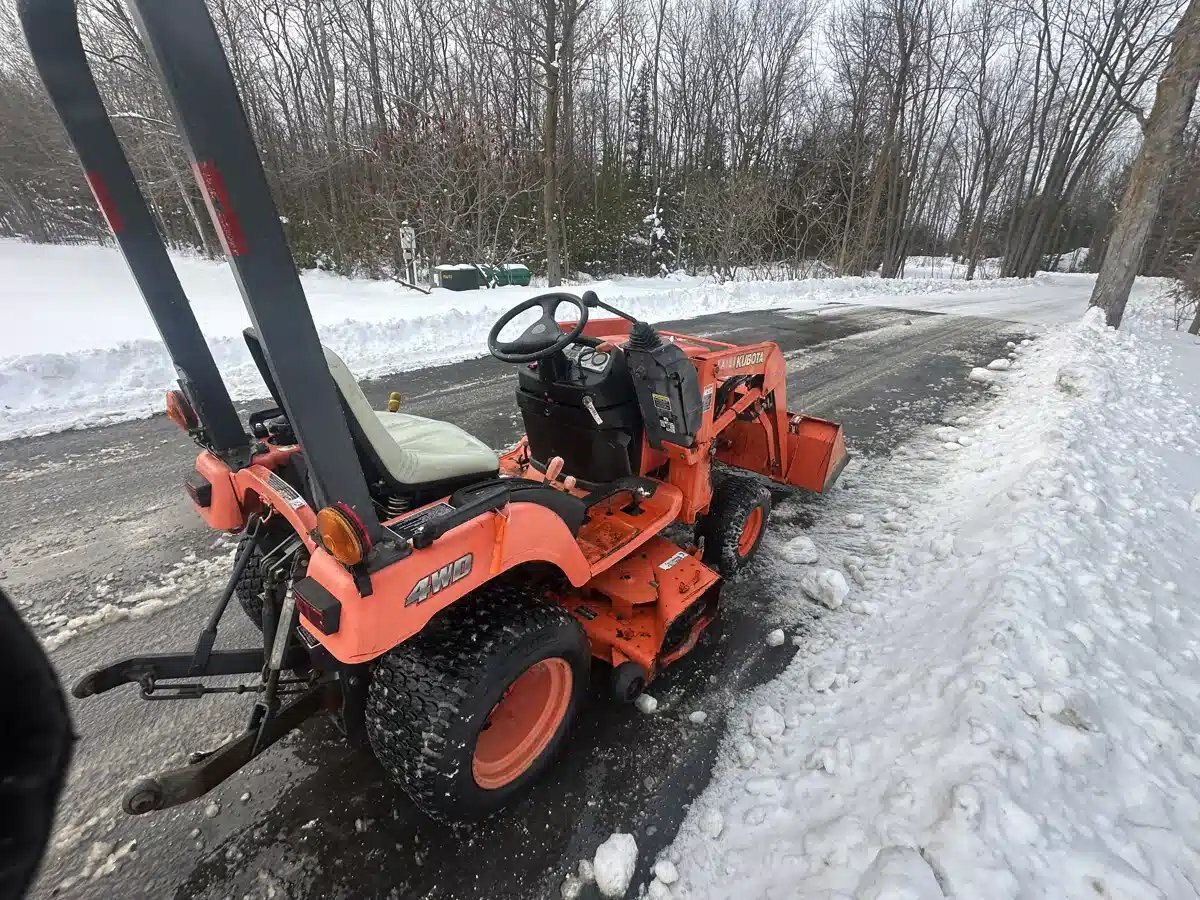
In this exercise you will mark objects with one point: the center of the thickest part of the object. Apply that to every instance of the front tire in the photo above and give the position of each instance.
(735, 524)
(470, 712)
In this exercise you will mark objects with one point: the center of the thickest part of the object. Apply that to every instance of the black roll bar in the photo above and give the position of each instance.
(53, 35)
(182, 44)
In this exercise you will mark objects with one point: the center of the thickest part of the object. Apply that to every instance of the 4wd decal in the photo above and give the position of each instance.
(744, 359)
(436, 582)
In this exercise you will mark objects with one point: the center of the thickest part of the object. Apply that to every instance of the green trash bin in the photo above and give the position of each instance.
(512, 273)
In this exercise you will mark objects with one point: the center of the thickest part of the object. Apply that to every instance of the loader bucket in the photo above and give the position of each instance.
(816, 453)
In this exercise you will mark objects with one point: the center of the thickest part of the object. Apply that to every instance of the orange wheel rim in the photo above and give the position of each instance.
(522, 723)
(750, 531)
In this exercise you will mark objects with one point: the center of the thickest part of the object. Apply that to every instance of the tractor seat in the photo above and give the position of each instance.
(409, 454)
(410, 450)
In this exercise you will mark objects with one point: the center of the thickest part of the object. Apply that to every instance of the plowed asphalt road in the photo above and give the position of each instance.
(99, 516)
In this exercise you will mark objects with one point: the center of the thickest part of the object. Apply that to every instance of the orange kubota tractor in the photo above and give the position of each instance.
(442, 602)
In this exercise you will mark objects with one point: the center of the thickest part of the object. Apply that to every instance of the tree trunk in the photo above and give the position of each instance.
(1163, 134)
(550, 162)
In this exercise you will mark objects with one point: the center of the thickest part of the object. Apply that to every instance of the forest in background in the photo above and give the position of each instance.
(644, 136)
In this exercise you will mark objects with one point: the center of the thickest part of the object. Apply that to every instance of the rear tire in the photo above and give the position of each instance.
(249, 588)
(251, 584)
(736, 522)
(468, 713)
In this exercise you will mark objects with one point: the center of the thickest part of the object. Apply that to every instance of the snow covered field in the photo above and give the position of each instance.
(1006, 704)
(78, 347)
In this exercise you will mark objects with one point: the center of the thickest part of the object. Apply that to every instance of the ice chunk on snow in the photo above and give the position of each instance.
(658, 890)
(699, 717)
(800, 551)
(767, 723)
(942, 547)
(614, 864)
(855, 520)
(587, 874)
(857, 575)
(821, 678)
(1000, 365)
(981, 376)
(572, 887)
(898, 873)
(827, 586)
(1196, 503)
(645, 703)
(712, 823)
(776, 638)
(948, 433)
(747, 753)
(665, 871)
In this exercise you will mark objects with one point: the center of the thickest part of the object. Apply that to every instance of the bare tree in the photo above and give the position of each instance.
(1162, 140)
(629, 135)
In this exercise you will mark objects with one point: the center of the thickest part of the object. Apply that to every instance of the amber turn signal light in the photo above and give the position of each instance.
(340, 535)
(180, 411)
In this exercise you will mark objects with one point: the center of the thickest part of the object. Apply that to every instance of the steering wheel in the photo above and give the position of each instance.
(538, 341)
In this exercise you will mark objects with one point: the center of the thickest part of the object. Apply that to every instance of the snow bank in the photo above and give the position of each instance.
(1015, 713)
(78, 347)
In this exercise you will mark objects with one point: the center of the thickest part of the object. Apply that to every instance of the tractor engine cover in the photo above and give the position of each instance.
(668, 389)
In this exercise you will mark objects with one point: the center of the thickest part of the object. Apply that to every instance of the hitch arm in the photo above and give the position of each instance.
(136, 669)
(189, 782)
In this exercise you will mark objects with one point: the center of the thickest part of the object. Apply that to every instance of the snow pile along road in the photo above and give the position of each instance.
(79, 348)
(1008, 703)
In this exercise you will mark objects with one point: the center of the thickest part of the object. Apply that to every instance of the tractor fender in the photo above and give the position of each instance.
(218, 505)
(258, 487)
(406, 594)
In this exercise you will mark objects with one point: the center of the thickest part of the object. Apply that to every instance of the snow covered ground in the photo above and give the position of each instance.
(1007, 703)
(78, 347)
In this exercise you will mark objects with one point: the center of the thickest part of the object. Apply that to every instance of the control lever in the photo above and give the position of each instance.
(590, 406)
(553, 470)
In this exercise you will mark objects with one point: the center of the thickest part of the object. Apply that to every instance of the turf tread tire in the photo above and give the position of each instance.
(249, 589)
(429, 696)
(734, 498)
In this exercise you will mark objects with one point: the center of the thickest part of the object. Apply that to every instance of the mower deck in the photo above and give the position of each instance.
(638, 609)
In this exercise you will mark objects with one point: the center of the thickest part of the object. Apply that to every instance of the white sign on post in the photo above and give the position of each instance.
(408, 252)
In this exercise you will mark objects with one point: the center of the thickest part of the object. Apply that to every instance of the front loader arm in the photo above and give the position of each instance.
(756, 432)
